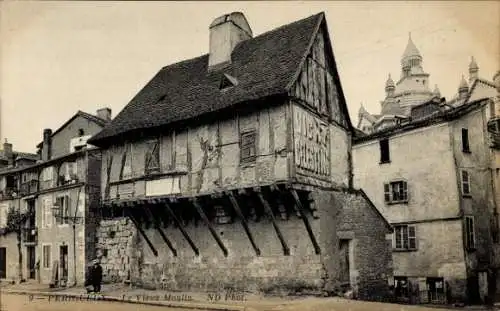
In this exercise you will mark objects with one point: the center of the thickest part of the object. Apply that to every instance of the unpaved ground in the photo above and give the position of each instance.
(29, 303)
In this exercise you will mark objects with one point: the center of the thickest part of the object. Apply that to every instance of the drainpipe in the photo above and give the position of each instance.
(74, 252)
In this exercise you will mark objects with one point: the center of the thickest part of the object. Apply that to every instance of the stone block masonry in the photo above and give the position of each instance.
(129, 257)
(116, 247)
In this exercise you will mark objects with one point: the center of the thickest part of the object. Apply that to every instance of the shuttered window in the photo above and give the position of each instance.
(405, 237)
(469, 233)
(153, 156)
(126, 169)
(248, 146)
(396, 192)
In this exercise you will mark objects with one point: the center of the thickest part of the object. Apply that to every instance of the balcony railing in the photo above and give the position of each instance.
(29, 187)
(8, 194)
(30, 235)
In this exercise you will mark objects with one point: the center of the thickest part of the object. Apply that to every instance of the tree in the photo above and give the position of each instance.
(14, 224)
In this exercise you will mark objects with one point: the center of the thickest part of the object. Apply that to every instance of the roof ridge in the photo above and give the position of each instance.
(289, 24)
(255, 37)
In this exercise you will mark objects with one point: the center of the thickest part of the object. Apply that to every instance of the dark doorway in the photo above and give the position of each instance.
(31, 262)
(344, 262)
(63, 259)
(3, 263)
(473, 295)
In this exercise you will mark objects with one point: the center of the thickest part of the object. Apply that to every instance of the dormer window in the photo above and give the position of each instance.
(227, 81)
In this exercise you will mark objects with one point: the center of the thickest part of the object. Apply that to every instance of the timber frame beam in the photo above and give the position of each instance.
(269, 211)
(158, 228)
(244, 223)
(300, 208)
(198, 207)
(128, 213)
(181, 228)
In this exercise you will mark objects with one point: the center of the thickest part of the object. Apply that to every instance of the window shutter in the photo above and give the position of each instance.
(68, 208)
(405, 236)
(387, 193)
(397, 234)
(405, 191)
(48, 209)
(412, 237)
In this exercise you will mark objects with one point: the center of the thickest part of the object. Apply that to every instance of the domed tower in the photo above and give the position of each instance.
(436, 91)
(389, 87)
(473, 70)
(463, 88)
(411, 58)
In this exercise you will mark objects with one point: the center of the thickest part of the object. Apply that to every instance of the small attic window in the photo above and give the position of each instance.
(81, 132)
(227, 81)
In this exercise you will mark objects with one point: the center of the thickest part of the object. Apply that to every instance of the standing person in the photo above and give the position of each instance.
(96, 275)
(88, 278)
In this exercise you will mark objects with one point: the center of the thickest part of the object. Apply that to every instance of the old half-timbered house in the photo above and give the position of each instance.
(234, 168)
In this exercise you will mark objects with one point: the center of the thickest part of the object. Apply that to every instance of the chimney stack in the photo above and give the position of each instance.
(104, 113)
(47, 145)
(7, 151)
(226, 32)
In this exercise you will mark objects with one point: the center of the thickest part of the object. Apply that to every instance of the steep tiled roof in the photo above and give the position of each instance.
(264, 66)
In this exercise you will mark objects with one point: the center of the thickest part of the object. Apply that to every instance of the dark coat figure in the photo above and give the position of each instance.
(94, 277)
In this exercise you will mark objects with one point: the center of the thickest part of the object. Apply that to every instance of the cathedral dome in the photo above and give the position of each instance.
(411, 51)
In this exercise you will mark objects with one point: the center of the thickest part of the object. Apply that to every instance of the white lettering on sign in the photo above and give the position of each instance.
(312, 152)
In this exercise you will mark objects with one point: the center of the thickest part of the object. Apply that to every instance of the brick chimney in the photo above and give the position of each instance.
(7, 151)
(226, 32)
(104, 113)
(47, 145)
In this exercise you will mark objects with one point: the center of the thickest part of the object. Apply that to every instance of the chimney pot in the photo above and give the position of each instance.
(104, 113)
(8, 153)
(226, 32)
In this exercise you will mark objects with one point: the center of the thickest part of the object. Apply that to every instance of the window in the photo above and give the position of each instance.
(81, 132)
(465, 183)
(153, 156)
(47, 213)
(46, 256)
(469, 233)
(248, 148)
(465, 140)
(384, 151)
(126, 169)
(63, 203)
(405, 237)
(396, 192)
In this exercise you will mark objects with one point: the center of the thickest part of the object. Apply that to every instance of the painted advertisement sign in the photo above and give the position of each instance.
(312, 144)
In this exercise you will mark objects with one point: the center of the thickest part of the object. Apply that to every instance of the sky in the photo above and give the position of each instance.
(59, 57)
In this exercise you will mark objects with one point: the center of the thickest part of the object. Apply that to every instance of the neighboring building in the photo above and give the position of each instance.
(62, 189)
(10, 158)
(413, 89)
(431, 177)
(235, 170)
